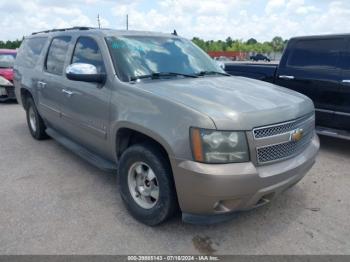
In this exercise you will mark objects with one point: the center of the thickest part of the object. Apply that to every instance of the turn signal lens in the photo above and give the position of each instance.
(197, 144)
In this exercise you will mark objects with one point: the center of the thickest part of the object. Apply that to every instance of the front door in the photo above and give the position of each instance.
(85, 112)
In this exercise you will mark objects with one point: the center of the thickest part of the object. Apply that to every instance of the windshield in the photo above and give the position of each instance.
(136, 56)
(7, 60)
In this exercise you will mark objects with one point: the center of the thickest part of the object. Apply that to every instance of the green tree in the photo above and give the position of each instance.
(252, 41)
(229, 42)
(199, 42)
(277, 44)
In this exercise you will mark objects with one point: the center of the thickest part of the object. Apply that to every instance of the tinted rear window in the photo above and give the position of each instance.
(318, 53)
(30, 51)
(57, 55)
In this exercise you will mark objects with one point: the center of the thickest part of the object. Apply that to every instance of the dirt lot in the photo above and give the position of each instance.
(52, 202)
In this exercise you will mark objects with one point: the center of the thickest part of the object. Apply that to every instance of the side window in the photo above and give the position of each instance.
(57, 55)
(30, 51)
(318, 53)
(87, 51)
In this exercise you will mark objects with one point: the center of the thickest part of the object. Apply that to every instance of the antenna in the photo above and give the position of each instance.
(98, 21)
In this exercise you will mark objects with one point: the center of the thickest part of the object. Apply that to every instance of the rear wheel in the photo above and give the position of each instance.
(35, 123)
(146, 184)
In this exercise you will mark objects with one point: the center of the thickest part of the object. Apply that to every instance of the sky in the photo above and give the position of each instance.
(207, 19)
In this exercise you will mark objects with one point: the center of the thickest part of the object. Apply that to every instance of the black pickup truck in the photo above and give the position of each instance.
(317, 66)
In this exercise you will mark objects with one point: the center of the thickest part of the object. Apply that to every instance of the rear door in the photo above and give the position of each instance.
(311, 67)
(86, 108)
(50, 84)
(343, 102)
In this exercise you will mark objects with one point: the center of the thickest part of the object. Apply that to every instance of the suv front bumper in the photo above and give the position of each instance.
(210, 192)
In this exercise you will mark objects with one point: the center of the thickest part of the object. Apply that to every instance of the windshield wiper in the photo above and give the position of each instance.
(158, 75)
(204, 73)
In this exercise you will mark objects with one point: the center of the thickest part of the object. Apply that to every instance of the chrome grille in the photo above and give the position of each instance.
(282, 151)
(277, 129)
(273, 143)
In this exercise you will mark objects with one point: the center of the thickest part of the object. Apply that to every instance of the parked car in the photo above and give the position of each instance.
(7, 59)
(222, 58)
(155, 109)
(318, 67)
(260, 57)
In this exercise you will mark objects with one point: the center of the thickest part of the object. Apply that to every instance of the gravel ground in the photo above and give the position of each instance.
(52, 202)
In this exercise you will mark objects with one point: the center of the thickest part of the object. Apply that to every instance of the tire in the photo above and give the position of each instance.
(35, 123)
(165, 207)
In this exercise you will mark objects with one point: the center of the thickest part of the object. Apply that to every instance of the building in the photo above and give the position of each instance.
(232, 55)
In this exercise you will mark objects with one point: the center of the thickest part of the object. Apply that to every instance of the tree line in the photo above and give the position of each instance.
(10, 44)
(277, 44)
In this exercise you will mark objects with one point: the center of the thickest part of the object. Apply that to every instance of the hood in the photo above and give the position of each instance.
(234, 103)
(7, 73)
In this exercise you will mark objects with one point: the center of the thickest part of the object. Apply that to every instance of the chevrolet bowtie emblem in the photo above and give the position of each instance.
(296, 135)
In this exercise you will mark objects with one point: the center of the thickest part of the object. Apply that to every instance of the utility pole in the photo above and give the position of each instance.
(127, 22)
(98, 21)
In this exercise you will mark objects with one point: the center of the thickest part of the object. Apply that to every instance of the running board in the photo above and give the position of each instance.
(333, 132)
(85, 154)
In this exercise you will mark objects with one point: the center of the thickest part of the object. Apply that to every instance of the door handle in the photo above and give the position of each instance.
(41, 84)
(67, 92)
(346, 81)
(286, 77)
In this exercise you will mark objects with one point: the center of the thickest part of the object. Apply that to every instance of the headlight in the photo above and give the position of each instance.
(4, 82)
(212, 146)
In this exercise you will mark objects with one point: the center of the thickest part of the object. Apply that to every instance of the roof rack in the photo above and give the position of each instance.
(65, 29)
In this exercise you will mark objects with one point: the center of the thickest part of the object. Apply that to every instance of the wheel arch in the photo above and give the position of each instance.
(25, 94)
(128, 134)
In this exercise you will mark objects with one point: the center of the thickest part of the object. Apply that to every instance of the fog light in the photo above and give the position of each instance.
(3, 91)
(229, 205)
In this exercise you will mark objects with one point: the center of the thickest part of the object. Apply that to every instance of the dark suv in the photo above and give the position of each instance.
(318, 67)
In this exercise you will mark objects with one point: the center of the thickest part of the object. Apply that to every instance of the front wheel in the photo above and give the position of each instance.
(146, 184)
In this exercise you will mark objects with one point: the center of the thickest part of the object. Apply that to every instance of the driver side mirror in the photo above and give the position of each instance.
(84, 72)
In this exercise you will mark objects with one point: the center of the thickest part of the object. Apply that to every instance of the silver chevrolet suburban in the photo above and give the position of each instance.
(181, 134)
